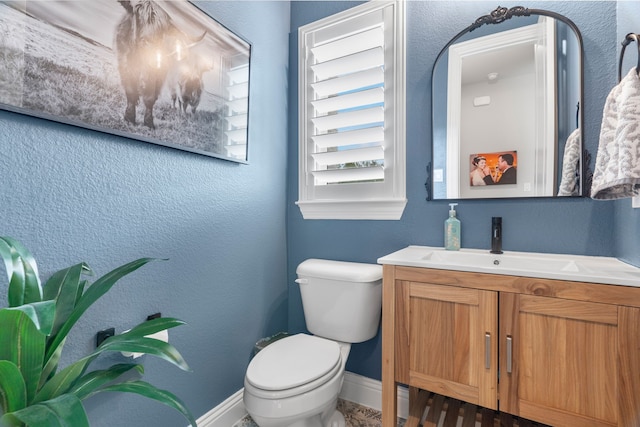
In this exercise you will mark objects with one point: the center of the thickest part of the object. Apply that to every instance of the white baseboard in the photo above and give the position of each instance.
(368, 392)
(225, 414)
(356, 388)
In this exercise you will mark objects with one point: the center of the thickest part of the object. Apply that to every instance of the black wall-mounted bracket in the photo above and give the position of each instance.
(103, 335)
(154, 316)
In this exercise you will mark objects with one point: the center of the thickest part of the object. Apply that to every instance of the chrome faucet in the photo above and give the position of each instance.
(496, 235)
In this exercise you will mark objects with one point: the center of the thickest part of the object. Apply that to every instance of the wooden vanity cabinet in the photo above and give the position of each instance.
(462, 324)
(562, 353)
(558, 360)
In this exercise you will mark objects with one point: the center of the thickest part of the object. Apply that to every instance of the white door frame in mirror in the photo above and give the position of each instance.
(536, 172)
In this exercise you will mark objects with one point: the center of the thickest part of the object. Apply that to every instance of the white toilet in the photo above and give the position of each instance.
(295, 381)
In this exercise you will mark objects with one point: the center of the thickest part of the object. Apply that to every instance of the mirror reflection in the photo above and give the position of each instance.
(507, 108)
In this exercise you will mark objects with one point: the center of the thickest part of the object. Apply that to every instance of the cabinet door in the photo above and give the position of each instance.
(453, 342)
(558, 360)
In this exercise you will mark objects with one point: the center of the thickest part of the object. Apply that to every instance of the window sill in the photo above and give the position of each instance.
(388, 209)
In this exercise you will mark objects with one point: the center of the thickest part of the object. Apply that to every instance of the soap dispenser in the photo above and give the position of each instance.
(452, 230)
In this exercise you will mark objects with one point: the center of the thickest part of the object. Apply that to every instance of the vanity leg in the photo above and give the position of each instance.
(418, 400)
(389, 404)
(389, 387)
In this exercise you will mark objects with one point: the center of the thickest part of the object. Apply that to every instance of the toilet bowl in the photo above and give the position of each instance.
(295, 381)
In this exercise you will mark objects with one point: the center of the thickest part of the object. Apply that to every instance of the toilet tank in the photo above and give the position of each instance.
(341, 300)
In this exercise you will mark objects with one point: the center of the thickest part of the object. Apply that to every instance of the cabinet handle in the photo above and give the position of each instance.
(509, 353)
(487, 350)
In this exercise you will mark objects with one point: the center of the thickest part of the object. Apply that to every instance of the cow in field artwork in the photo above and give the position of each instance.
(148, 46)
(156, 71)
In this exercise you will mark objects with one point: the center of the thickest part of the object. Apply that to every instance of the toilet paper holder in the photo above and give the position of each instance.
(161, 335)
(109, 332)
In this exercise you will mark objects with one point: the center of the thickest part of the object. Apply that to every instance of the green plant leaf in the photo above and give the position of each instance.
(65, 287)
(64, 411)
(152, 326)
(137, 344)
(91, 295)
(93, 381)
(40, 313)
(22, 271)
(51, 366)
(22, 344)
(61, 382)
(8, 420)
(13, 392)
(152, 392)
(22, 251)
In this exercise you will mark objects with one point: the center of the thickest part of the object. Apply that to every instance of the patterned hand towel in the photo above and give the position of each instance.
(617, 170)
(570, 163)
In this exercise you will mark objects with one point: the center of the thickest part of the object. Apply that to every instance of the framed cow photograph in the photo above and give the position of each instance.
(163, 72)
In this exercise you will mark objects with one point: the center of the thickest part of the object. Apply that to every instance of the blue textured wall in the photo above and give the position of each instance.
(74, 195)
(627, 220)
(230, 231)
(579, 226)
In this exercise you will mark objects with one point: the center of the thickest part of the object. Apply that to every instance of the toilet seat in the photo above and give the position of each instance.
(293, 365)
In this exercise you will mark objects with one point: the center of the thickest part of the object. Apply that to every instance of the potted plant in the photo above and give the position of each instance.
(33, 331)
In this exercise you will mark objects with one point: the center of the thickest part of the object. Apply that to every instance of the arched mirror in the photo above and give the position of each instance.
(507, 109)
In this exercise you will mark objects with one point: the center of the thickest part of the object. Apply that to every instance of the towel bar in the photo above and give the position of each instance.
(627, 40)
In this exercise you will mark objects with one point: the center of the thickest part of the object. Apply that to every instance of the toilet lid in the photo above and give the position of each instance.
(292, 362)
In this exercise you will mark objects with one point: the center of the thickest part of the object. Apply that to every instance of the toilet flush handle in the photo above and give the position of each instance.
(302, 281)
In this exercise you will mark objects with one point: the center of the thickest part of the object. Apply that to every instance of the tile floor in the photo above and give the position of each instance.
(355, 415)
(362, 416)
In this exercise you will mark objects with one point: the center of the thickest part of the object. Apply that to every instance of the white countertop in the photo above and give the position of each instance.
(581, 268)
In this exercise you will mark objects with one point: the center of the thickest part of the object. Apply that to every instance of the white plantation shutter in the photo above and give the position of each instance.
(352, 132)
(237, 107)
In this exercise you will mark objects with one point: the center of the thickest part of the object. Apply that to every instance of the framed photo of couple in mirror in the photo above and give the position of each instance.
(498, 168)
